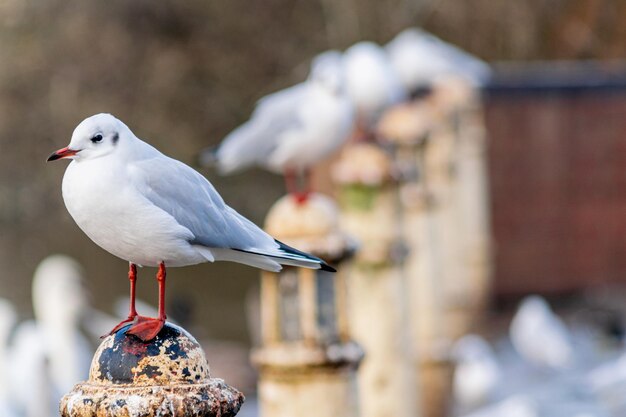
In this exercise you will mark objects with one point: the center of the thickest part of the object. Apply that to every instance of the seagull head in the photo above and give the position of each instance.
(327, 71)
(96, 136)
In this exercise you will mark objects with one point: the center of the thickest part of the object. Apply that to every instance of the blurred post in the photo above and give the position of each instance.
(168, 375)
(377, 287)
(473, 202)
(455, 168)
(307, 361)
(406, 129)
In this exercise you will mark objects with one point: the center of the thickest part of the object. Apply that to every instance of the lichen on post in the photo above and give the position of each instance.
(167, 376)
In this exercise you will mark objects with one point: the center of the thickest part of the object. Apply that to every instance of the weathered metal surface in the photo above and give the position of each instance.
(213, 398)
(166, 377)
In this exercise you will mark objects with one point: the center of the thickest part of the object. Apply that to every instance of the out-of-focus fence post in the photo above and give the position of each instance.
(406, 129)
(463, 105)
(167, 376)
(377, 287)
(307, 361)
(455, 169)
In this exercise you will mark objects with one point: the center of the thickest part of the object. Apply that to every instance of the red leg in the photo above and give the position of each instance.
(302, 196)
(147, 328)
(291, 183)
(132, 313)
(161, 278)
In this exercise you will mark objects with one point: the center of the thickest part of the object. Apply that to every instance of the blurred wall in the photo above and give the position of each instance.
(558, 178)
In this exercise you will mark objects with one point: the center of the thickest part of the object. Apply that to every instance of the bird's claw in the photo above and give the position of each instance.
(120, 325)
(146, 328)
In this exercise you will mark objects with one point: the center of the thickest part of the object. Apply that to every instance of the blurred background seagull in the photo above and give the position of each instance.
(50, 354)
(8, 320)
(540, 336)
(420, 58)
(514, 406)
(293, 129)
(152, 210)
(372, 84)
(476, 373)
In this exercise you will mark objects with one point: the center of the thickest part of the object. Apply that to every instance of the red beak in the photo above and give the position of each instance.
(62, 153)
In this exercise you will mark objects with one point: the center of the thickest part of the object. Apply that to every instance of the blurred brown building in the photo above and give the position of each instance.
(558, 176)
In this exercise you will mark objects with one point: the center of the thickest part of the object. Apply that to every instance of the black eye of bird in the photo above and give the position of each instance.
(97, 138)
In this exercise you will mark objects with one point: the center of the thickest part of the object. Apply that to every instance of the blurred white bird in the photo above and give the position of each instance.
(59, 301)
(540, 336)
(420, 58)
(515, 406)
(476, 374)
(50, 354)
(32, 390)
(8, 320)
(372, 84)
(293, 129)
(608, 374)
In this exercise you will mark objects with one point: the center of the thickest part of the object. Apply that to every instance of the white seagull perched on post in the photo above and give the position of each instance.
(152, 210)
(372, 83)
(420, 58)
(293, 129)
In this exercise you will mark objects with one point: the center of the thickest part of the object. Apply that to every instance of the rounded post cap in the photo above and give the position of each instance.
(311, 226)
(131, 377)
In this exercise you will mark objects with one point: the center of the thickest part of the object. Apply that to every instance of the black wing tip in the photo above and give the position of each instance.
(325, 267)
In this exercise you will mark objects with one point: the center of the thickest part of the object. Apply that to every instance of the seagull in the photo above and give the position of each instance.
(476, 374)
(152, 210)
(50, 353)
(32, 391)
(372, 84)
(419, 58)
(8, 320)
(59, 304)
(514, 406)
(293, 129)
(540, 336)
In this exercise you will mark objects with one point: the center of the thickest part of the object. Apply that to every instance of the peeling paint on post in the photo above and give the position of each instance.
(166, 377)
(307, 361)
(377, 285)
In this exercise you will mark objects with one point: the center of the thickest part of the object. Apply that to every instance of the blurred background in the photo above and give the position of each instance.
(182, 75)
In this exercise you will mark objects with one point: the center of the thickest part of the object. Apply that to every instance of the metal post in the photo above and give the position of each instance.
(167, 376)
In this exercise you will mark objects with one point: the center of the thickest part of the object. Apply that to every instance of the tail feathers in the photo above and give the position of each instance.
(291, 256)
(246, 258)
(208, 157)
(226, 163)
(293, 253)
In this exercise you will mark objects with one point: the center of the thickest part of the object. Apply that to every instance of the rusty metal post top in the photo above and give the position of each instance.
(166, 376)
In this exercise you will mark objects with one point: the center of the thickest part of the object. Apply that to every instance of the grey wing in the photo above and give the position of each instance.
(254, 141)
(195, 204)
